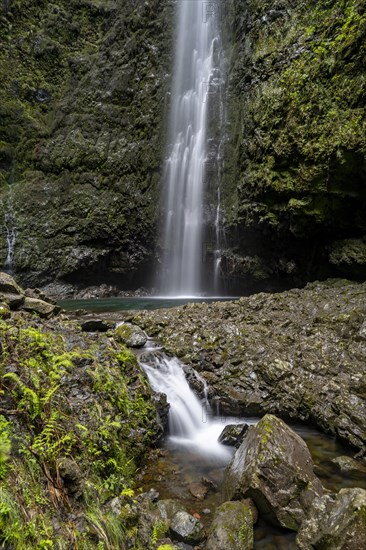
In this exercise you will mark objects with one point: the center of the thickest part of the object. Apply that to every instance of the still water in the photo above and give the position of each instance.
(146, 302)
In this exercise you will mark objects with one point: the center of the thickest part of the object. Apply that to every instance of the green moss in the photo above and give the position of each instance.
(301, 154)
(103, 433)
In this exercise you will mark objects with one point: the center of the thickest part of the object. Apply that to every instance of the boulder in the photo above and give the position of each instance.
(43, 309)
(131, 335)
(335, 522)
(231, 528)
(233, 434)
(273, 466)
(14, 301)
(8, 284)
(96, 325)
(38, 294)
(186, 528)
(169, 507)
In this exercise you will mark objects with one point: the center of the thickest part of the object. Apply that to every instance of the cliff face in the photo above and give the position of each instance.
(83, 105)
(295, 172)
(82, 136)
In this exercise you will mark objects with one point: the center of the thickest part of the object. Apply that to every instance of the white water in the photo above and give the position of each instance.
(191, 422)
(187, 155)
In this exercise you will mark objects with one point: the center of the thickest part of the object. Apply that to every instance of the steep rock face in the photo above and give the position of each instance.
(294, 174)
(83, 108)
(81, 138)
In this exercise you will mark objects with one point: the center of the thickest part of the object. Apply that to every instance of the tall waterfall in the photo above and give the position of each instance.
(185, 167)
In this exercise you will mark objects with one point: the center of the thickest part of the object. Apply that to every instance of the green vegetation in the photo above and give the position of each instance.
(75, 420)
(305, 118)
(295, 161)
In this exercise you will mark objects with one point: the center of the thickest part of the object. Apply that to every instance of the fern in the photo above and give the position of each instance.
(48, 445)
(30, 401)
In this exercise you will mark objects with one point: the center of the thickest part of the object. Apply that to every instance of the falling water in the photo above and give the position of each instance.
(187, 154)
(191, 422)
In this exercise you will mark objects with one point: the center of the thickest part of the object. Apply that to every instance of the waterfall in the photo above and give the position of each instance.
(191, 421)
(184, 173)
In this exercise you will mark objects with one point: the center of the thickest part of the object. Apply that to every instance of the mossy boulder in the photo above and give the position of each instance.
(273, 466)
(231, 528)
(233, 434)
(349, 256)
(131, 335)
(42, 308)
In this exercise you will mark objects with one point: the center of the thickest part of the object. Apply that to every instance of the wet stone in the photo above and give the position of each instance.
(198, 490)
(186, 528)
(233, 434)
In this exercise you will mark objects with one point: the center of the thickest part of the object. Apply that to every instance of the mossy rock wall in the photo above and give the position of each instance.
(82, 109)
(295, 171)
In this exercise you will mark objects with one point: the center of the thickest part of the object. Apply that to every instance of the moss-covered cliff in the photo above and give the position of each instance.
(295, 171)
(83, 103)
(81, 135)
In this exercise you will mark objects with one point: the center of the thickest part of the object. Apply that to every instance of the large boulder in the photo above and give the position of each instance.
(131, 335)
(8, 284)
(43, 309)
(335, 522)
(231, 528)
(273, 466)
(10, 292)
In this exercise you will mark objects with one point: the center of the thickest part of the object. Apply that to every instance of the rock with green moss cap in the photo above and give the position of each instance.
(335, 522)
(131, 335)
(231, 528)
(273, 466)
(42, 308)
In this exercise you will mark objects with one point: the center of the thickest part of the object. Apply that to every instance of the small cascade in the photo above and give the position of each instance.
(191, 421)
(10, 237)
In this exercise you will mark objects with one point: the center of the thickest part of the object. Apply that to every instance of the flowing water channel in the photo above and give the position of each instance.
(191, 452)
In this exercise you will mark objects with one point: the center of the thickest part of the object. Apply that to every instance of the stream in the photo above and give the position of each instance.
(190, 464)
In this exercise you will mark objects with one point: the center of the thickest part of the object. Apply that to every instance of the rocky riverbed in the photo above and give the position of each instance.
(298, 354)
